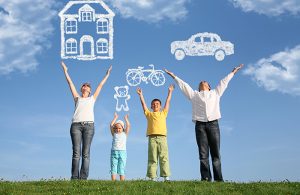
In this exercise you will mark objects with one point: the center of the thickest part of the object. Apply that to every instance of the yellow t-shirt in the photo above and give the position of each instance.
(156, 122)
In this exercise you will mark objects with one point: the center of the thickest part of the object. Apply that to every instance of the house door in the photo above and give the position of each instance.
(87, 48)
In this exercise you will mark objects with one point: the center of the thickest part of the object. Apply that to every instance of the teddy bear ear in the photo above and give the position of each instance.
(116, 88)
(126, 87)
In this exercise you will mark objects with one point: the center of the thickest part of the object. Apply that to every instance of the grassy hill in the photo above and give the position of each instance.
(146, 187)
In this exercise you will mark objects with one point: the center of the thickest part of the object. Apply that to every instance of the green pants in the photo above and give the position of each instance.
(158, 150)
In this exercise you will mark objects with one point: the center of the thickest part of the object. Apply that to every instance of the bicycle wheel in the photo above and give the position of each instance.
(133, 78)
(158, 79)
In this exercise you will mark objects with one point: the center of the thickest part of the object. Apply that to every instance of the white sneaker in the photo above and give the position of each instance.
(151, 179)
(166, 179)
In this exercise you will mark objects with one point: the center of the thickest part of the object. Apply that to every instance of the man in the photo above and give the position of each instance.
(206, 112)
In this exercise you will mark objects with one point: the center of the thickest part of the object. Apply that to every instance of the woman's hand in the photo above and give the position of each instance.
(64, 66)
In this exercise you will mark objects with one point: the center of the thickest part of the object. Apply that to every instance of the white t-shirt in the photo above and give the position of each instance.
(84, 109)
(119, 141)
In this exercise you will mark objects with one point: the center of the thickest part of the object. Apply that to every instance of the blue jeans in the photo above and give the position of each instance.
(208, 140)
(81, 135)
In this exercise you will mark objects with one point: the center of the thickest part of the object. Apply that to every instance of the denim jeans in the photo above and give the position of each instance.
(81, 135)
(208, 140)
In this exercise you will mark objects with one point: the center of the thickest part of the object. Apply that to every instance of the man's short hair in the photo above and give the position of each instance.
(154, 100)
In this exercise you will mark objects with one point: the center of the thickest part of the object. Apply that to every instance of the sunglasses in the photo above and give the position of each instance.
(86, 85)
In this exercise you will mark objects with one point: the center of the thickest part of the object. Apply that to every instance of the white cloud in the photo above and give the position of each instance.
(280, 72)
(151, 10)
(24, 27)
(269, 7)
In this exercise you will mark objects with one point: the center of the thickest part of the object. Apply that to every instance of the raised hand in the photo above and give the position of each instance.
(116, 115)
(64, 66)
(236, 69)
(170, 73)
(126, 117)
(109, 70)
(171, 87)
(139, 91)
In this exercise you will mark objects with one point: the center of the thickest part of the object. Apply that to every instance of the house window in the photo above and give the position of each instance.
(86, 16)
(102, 25)
(71, 26)
(71, 46)
(102, 46)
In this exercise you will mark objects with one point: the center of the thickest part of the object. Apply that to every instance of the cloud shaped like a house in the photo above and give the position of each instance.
(86, 30)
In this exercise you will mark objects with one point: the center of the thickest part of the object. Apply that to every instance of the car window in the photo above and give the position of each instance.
(206, 39)
(198, 39)
(214, 39)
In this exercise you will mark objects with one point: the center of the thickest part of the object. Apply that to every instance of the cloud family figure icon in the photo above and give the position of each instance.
(86, 30)
(202, 44)
(122, 96)
(135, 76)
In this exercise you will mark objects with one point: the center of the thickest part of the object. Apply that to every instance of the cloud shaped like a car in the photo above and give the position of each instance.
(202, 44)
(280, 72)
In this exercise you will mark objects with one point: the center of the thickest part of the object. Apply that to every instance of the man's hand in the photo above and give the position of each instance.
(236, 69)
(170, 73)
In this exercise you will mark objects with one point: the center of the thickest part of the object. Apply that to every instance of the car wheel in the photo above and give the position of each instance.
(220, 55)
(179, 54)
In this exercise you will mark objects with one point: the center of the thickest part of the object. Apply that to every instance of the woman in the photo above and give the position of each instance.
(82, 128)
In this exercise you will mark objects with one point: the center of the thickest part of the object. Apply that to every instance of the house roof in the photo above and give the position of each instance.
(99, 6)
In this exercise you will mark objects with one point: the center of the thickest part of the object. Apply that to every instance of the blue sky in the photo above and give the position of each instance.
(260, 108)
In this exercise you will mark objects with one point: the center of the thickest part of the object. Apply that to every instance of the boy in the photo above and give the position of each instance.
(157, 135)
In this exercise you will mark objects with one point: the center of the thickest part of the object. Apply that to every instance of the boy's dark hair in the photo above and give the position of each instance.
(154, 100)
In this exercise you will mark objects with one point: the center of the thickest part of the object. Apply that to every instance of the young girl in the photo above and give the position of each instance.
(118, 150)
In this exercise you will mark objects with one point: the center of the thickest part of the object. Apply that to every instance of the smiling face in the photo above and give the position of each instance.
(156, 105)
(118, 128)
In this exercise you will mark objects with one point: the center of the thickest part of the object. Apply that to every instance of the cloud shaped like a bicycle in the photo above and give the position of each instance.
(135, 76)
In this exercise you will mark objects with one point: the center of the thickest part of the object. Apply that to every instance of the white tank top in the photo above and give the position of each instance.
(84, 109)
(119, 141)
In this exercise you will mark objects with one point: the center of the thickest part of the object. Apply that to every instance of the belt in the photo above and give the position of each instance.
(84, 122)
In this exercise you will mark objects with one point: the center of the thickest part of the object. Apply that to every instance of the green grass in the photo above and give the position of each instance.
(146, 187)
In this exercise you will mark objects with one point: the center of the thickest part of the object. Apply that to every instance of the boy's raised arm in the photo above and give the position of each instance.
(112, 123)
(170, 91)
(69, 80)
(127, 124)
(140, 93)
(102, 82)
